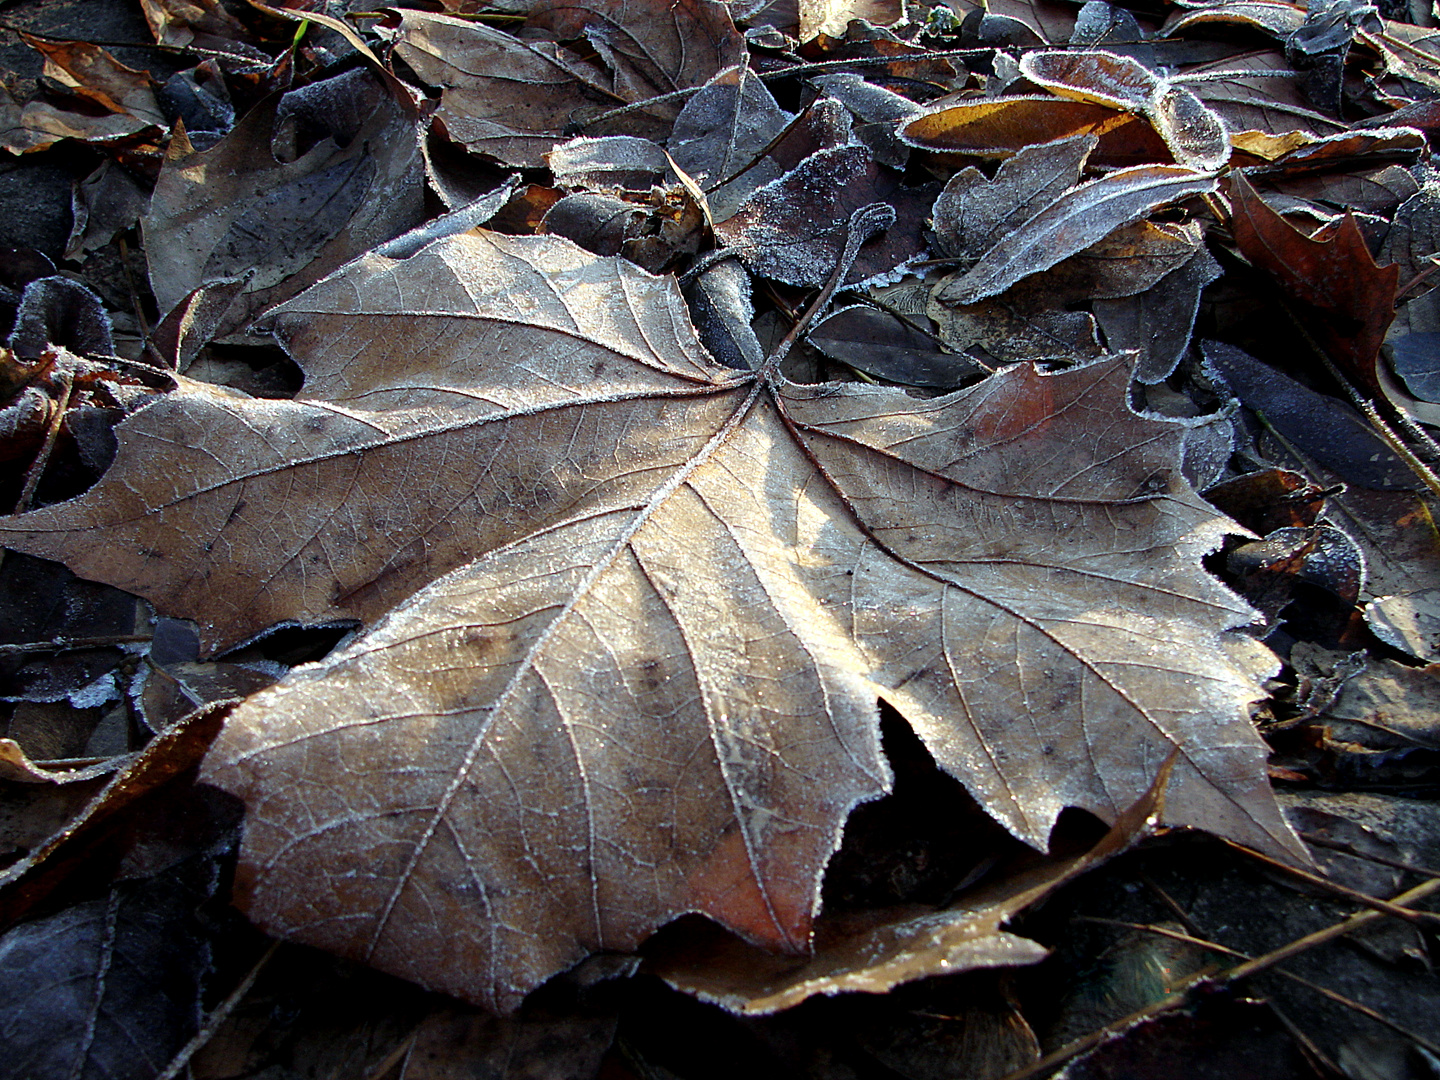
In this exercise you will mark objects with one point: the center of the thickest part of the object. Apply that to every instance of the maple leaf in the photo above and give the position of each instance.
(644, 607)
(1332, 274)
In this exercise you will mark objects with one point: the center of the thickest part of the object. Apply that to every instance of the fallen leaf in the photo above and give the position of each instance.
(1322, 427)
(1077, 219)
(1001, 127)
(974, 213)
(1126, 262)
(1013, 332)
(760, 560)
(205, 26)
(1331, 274)
(105, 988)
(1050, 22)
(651, 47)
(720, 135)
(792, 230)
(95, 76)
(881, 344)
(282, 213)
(501, 96)
(1158, 322)
(874, 950)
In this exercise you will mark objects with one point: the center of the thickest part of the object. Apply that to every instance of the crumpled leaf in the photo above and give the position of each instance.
(94, 99)
(95, 76)
(1195, 136)
(650, 686)
(651, 47)
(793, 229)
(1158, 322)
(500, 96)
(1001, 127)
(202, 25)
(973, 214)
(267, 205)
(1015, 329)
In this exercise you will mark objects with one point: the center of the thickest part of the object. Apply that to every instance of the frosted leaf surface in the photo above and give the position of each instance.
(652, 604)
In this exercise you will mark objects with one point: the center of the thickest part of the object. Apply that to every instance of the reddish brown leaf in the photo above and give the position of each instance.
(1331, 276)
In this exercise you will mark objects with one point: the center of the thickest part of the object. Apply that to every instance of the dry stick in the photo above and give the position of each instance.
(1307, 1045)
(1367, 408)
(1325, 991)
(1418, 918)
(1171, 903)
(182, 50)
(1350, 849)
(217, 1017)
(1242, 971)
(58, 644)
(820, 67)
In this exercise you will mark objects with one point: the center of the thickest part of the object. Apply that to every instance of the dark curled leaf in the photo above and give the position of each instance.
(109, 989)
(1322, 427)
(55, 311)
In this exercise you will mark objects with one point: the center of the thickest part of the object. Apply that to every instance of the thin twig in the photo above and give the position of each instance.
(217, 1017)
(1170, 902)
(1350, 849)
(1385, 907)
(183, 50)
(1242, 971)
(42, 459)
(1235, 954)
(62, 644)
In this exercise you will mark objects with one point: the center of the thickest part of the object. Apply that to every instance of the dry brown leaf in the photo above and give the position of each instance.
(793, 229)
(279, 212)
(650, 686)
(974, 213)
(1002, 127)
(651, 47)
(501, 96)
(93, 75)
(1195, 136)
(112, 104)
(1015, 332)
(720, 135)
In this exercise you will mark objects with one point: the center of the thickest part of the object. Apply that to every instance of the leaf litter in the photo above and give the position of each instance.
(596, 588)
